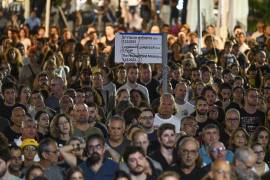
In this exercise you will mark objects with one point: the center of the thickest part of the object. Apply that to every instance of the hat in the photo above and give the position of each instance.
(29, 142)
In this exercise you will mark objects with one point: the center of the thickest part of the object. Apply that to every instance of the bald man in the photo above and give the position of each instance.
(220, 170)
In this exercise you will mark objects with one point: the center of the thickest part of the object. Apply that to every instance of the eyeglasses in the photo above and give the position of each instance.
(30, 149)
(185, 152)
(218, 150)
(259, 152)
(95, 147)
(147, 117)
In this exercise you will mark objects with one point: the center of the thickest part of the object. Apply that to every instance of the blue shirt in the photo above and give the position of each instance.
(106, 171)
(207, 160)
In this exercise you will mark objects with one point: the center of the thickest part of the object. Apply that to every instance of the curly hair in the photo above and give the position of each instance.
(54, 127)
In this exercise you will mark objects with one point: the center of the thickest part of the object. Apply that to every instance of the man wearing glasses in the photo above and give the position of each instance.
(188, 156)
(49, 155)
(218, 152)
(97, 166)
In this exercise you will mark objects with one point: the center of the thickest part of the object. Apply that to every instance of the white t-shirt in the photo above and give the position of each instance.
(184, 110)
(266, 168)
(158, 121)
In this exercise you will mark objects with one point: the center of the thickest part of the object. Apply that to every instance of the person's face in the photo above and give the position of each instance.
(146, 119)
(238, 94)
(29, 130)
(136, 98)
(92, 114)
(232, 121)
(166, 106)
(81, 113)
(228, 78)
(29, 153)
(9, 96)
(66, 103)
(195, 76)
(167, 139)
(80, 98)
(34, 173)
(210, 97)
(239, 139)
(146, 74)
(206, 76)
(52, 153)
(64, 125)
(123, 96)
(121, 74)
(235, 70)
(202, 107)
(25, 94)
(221, 171)
(213, 113)
(95, 150)
(17, 116)
(136, 163)
(263, 138)
(199, 88)
(141, 140)
(259, 151)
(132, 75)
(260, 58)
(76, 176)
(226, 94)
(97, 81)
(16, 160)
(116, 130)
(248, 164)
(218, 152)
(176, 74)
(210, 136)
(37, 100)
(109, 30)
(181, 91)
(56, 86)
(188, 154)
(252, 98)
(190, 127)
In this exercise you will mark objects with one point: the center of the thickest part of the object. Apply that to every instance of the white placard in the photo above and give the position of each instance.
(138, 48)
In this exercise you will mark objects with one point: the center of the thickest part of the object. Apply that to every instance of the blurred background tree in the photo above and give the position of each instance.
(259, 10)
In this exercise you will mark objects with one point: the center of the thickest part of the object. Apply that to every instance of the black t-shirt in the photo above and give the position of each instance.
(196, 173)
(11, 135)
(157, 156)
(251, 121)
(152, 89)
(6, 111)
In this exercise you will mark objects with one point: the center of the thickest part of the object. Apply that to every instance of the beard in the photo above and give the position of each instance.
(168, 146)
(93, 159)
(15, 168)
(82, 120)
(136, 173)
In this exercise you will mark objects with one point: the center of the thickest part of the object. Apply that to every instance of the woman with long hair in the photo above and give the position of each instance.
(61, 129)
(238, 139)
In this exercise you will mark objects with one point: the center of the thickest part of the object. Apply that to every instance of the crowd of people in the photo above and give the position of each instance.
(68, 111)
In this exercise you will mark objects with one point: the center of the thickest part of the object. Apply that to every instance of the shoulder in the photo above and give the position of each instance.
(111, 164)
